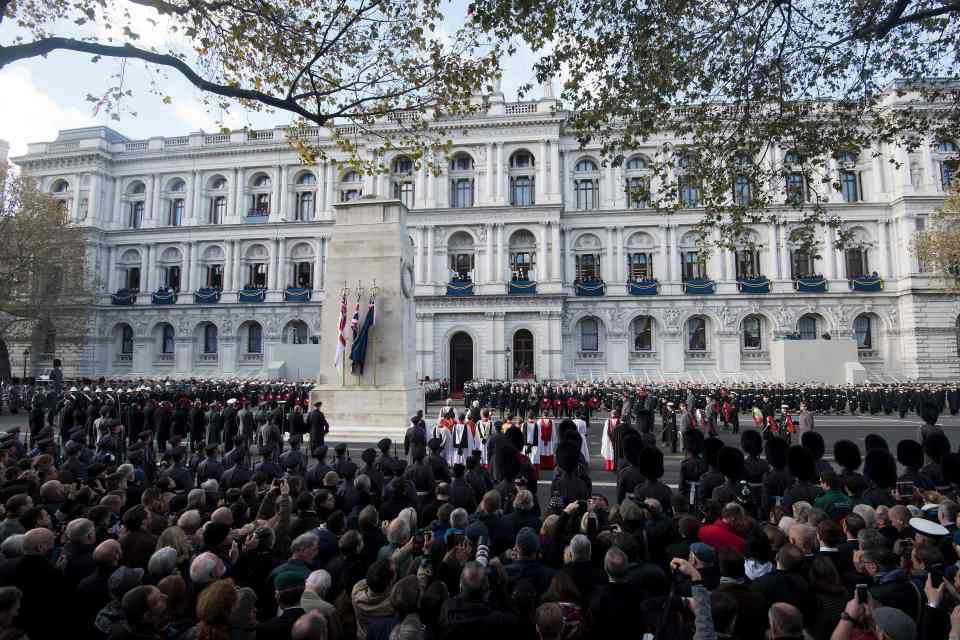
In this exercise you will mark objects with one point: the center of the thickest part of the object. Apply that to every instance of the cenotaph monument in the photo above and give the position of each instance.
(369, 254)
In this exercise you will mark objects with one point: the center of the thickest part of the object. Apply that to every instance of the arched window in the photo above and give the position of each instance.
(254, 338)
(304, 197)
(460, 252)
(523, 249)
(697, 334)
(218, 209)
(217, 183)
(689, 191)
(126, 340)
(175, 213)
(461, 162)
(260, 188)
(748, 257)
(167, 340)
(136, 193)
(60, 186)
(946, 146)
(586, 186)
(403, 165)
(296, 332)
(641, 266)
(351, 186)
(752, 333)
(637, 183)
(802, 259)
(796, 181)
(947, 159)
(863, 331)
(643, 333)
(403, 187)
(857, 261)
(693, 266)
(849, 177)
(742, 192)
(587, 250)
(807, 327)
(210, 334)
(521, 160)
(522, 191)
(637, 163)
(177, 186)
(589, 335)
(306, 179)
(461, 181)
(262, 181)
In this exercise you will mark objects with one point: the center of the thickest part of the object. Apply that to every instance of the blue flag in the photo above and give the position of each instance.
(358, 353)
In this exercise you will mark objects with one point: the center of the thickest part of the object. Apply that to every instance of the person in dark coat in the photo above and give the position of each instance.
(786, 583)
(318, 425)
(567, 484)
(847, 454)
(462, 494)
(92, 593)
(731, 464)
(910, 455)
(712, 478)
(693, 467)
(802, 467)
(42, 585)
(754, 467)
(936, 446)
(296, 423)
(81, 539)
(814, 443)
(628, 473)
(289, 588)
(881, 469)
(778, 479)
(314, 477)
(650, 463)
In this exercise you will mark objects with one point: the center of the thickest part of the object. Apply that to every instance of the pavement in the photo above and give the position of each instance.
(832, 428)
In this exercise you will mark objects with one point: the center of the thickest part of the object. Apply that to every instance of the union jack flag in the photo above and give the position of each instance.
(341, 331)
(355, 321)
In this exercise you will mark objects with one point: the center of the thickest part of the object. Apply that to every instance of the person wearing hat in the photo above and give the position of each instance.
(318, 425)
(288, 587)
(210, 466)
(293, 461)
(629, 475)
(527, 564)
(885, 623)
(566, 482)
(315, 474)
(650, 463)
(802, 467)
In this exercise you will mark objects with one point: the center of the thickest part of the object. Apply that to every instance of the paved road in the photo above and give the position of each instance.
(832, 428)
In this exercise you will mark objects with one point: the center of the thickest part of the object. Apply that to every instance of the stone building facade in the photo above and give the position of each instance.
(533, 258)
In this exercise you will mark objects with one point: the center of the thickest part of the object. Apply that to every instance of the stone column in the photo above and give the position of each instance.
(228, 266)
(876, 173)
(490, 196)
(542, 269)
(318, 265)
(237, 191)
(555, 170)
(489, 275)
(320, 200)
(273, 267)
(110, 278)
(238, 275)
(541, 190)
(331, 170)
(94, 199)
(673, 267)
(502, 267)
(431, 232)
(431, 195)
(500, 176)
(186, 277)
(903, 158)
(116, 216)
(155, 200)
(420, 191)
(774, 266)
(661, 262)
(193, 200)
(555, 273)
(882, 249)
(830, 255)
(930, 177)
(183, 352)
(570, 270)
(283, 267)
(608, 267)
(784, 254)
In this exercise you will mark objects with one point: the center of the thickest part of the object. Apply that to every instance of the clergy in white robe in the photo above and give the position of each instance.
(607, 450)
(546, 442)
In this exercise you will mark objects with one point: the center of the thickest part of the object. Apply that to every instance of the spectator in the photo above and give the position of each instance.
(144, 609)
(371, 596)
(40, 582)
(527, 565)
(786, 622)
(830, 598)
(578, 564)
(288, 586)
(724, 532)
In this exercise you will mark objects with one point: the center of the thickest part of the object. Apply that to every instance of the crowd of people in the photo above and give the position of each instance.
(210, 510)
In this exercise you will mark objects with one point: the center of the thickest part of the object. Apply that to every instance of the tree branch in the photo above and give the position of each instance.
(45, 46)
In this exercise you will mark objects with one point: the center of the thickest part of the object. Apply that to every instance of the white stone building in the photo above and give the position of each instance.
(518, 214)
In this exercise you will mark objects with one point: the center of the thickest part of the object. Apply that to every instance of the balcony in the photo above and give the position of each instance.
(590, 287)
(297, 294)
(643, 355)
(457, 287)
(644, 287)
(699, 286)
(164, 296)
(252, 295)
(257, 216)
(810, 284)
(519, 286)
(753, 355)
(753, 284)
(590, 355)
(866, 284)
(698, 355)
(868, 354)
(165, 359)
(124, 297)
(206, 295)
(251, 358)
(123, 359)
(208, 358)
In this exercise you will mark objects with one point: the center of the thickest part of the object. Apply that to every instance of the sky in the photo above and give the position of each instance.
(45, 95)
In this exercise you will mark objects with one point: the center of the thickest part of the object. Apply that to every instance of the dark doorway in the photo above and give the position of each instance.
(523, 354)
(5, 372)
(461, 360)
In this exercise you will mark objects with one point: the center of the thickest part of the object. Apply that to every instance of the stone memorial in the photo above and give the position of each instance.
(370, 254)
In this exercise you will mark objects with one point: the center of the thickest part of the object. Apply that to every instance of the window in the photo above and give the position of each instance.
(946, 147)
(689, 192)
(796, 188)
(742, 194)
(807, 328)
(168, 342)
(589, 335)
(585, 166)
(856, 260)
(850, 186)
(588, 267)
(171, 278)
(210, 338)
(748, 263)
(349, 195)
(303, 274)
(792, 158)
(697, 334)
(262, 182)
(462, 265)
(218, 183)
(521, 191)
(215, 276)
(84, 208)
(403, 165)
(297, 333)
(61, 186)
(521, 263)
(403, 191)
(636, 163)
(254, 338)
(641, 266)
(218, 209)
(133, 278)
(306, 179)
(638, 193)
(801, 264)
(126, 340)
(751, 333)
(948, 170)
(304, 210)
(643, 334)
(521, 160)
(136, 214)
(862, 330)
(462, 189)
(175, 216)
(586, 191)
(461, 162)
(693, 268)
(260, 204)
(257, 276)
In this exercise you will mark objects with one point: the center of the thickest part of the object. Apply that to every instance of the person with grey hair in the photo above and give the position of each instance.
(162, 563)
(314, 599)
(303, 550)
(579, 566)
(459, 519)
(785, 621)
(523, 514)
(398, 534)
(197, 499)
(612, 607)
(868, 513)
(190, 521)
(81, 540)
(312, 625)
(12, 547)
(205, 569)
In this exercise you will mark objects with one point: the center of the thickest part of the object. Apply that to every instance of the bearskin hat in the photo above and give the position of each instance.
(801, 464)
(730, 463)
(418, 452)
(693, 441)
(650, 462)
(572, 437)
(776, 451)
(751, 442)
(951, 468)
(632, 445)
(369, 455)
(813, 442)
(435, 444)
(711, 448)
(385, 444)
(567, 456)
(847, 454)
(910, 454)
(936, 446)
(874, 441)
(929, 412)
(508, 465)
(880, 467)
(565, 425)
(515, 437)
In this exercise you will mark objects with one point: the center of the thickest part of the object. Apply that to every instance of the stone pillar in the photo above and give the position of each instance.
(321, 197)
(283, 267)
(876, 173)
(500, 177)
(500, 368)
(183, 352)
(489, 275)
(661, 264)
(774, 266)
(275, 209)
(331, 170)
(608, 263)
(116, 216)
(541, 190)
(228, 265)
(830, 255)
(555, 170)
(903, 158)
(883, 248)
(431, 195)
(93, 201)
(227, 346)
(142, 355)
(149, 279)
(110, 279)
(570, 264)
(420, 191)
(930, 177)
(502, 266)
(784, 254)
(237, 192)
(186, 276)
(318, 265)
(673, 266)
(555, 273)
(431, 232)
(75, 202)
(542, 267)
(273, 267)
(192, 201)
(238, 275)
(154, 214)
(490, 195)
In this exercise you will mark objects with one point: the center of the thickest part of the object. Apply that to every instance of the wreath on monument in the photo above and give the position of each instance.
(407, 280)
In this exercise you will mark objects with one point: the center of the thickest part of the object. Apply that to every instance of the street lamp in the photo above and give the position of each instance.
(26, 357)
(506, 364)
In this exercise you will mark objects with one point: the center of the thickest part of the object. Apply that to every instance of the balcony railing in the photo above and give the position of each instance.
(868, 354)
(698, 355)
(166, 358)
(206, 295)
(589, 355)
(208, 358)
(460, 287)
(124, 358)
(248, 294)
(699, 286)
(645, 287)
(297, 294)
(592, 287)
(251, 358)
(811, 284)
(124, 297)
(522, 287)
(866, 284)
(257, 216)
(643, 355)
(755, 355)
(164, 296)
(753, 284)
